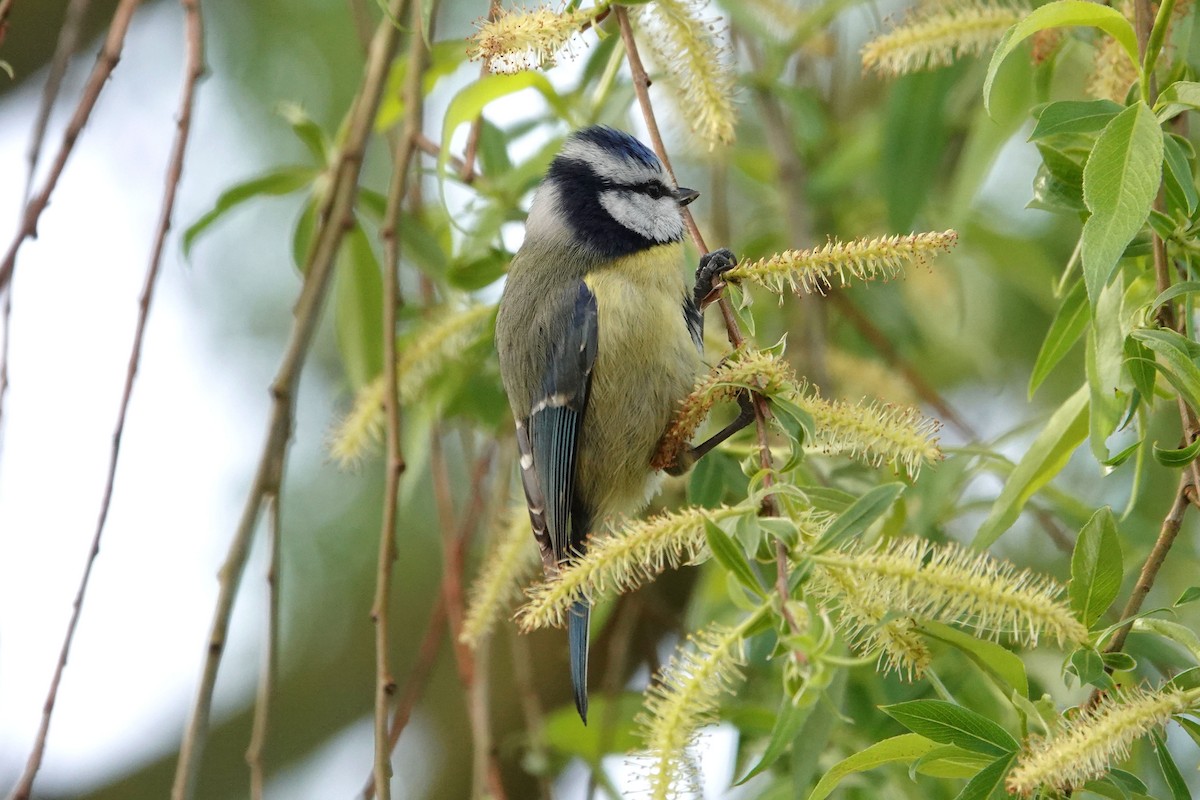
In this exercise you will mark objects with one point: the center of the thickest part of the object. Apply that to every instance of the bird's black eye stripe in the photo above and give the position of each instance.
(653, 188)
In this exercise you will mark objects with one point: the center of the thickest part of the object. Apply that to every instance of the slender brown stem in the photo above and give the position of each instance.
(106, 62)
(641, 88)
(385, 685)
(193, 70)
(414, 687)
(68, 39)
(466, 171)
(337, 217)
(1158, 554)
(256, 750)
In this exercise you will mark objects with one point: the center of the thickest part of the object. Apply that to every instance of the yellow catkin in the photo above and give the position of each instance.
(694, 53)
(528, 39)
(816, 269)
(423, 355)
(683, 700)
(512, 558)
(947, 583)
(1089, 744)
(622, 561)
(936, 35)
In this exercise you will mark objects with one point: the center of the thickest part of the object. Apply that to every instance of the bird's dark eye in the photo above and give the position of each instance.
(655, 190)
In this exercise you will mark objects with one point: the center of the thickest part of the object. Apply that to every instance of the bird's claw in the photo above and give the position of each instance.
(709, 282)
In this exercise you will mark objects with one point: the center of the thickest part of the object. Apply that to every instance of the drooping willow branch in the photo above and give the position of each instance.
(337, 216)
(194, 68)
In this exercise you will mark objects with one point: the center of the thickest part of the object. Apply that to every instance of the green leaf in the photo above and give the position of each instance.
(1181, 288)
(1170, 770)
(1139, 361)
(1105, 355)
(1065, 329)
(905, 747)
(859, 516)
(1044, 459)
(307, 131)
(948, 723)
(1096, 567)
(797, 424)
(1176, 364)
(1177, 458)
(788, 722)
(731, 557)
(1005, 666)
(1120, 180)
(1061, 14)
(358, 293)
(1191, 727)
(1087, 664)
(277, 182)
(1179, 96)
(1190, 595)
(988, 779)
(474, 97)
(1073, 116)
(1178, 182)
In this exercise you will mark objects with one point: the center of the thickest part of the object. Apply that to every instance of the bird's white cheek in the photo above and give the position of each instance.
(657, 220)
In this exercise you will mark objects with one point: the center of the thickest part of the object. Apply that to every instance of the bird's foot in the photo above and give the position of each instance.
(709, 282)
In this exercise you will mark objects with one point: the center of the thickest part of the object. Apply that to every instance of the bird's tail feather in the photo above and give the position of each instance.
(577, 633)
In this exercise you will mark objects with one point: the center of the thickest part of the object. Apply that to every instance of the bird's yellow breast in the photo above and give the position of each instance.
(646, 363)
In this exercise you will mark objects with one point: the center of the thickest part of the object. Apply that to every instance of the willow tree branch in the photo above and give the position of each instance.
(466, 172)
(194, 47)
(385, 685)
(255, 752)
(337, 217)
(641, 88)
(106, 62)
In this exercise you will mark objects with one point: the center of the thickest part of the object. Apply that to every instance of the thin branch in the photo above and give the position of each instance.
(106, 62)
(270, 662)
(466, 172)
(337, 216)
(1158, 554)
(194, 45)
(641, 88)
(418, 679)
(68, 39)
(385, 685)
(487, 776)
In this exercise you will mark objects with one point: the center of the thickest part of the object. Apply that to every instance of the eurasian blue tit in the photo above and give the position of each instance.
(600, 339)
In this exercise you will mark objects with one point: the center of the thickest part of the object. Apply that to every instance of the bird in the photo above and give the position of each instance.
(599, 340)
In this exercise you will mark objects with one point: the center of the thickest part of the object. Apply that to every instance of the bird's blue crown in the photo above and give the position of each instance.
(619, 143)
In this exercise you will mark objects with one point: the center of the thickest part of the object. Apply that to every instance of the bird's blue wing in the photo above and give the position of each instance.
(556, 422)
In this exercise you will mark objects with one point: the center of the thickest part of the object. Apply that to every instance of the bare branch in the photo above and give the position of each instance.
(270, 661)
(337, 216)
(194, 69)
(110, 54)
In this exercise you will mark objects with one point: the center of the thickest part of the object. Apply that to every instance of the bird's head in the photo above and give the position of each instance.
(607, 194)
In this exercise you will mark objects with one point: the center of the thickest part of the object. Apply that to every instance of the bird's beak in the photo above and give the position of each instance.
(684, 196)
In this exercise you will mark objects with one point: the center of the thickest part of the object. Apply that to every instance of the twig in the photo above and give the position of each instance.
(270, 662)
(106, 62)
(385, 685)
(417, 680)
(68, 38)
(1158, 554)
(466, 172)
(194, 69)
(454, 544)
(5, 9)
(641, 88)
(337, 217)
